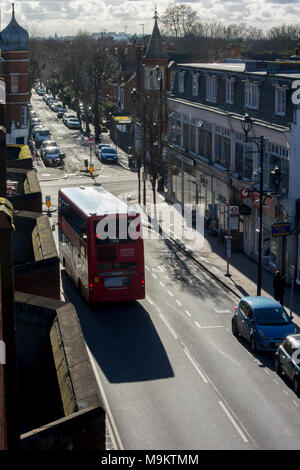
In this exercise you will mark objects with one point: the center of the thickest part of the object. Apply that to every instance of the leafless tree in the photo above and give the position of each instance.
(178, 20)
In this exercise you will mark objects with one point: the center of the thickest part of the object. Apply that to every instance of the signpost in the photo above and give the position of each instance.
(293, 278)
(91, 143)
(48, 202)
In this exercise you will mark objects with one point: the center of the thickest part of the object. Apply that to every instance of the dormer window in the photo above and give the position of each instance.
(251, 95)
(211, 89)
(195, 84)
(280, 100)
(181, 82)
(229, 91)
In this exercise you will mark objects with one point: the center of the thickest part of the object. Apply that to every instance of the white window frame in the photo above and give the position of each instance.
(211, 89)
(280, 101)
(195, 84)
(251, 95)
(229, 91)
(15, 83)
(181, 82)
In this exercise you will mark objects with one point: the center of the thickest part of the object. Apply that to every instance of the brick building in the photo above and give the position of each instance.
(14, 67)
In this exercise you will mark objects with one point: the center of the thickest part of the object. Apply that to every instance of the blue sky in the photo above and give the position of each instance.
(67, 17)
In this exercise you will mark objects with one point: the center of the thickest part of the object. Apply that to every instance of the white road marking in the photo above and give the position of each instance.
(170, 293)
(155, 277)
(149, 300)
(284, 391)
(274, 380)
(196, 365)
(295, 403)
(223, 311)
(147, 268)
(111, 422)
(233, 422)
(188, 313)
(266, 371)
(168, 326)
(179, 303)
(196, 323)
(162, 284)
(212, 326)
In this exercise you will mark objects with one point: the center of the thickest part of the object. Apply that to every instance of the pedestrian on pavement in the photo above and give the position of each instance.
(279, 287)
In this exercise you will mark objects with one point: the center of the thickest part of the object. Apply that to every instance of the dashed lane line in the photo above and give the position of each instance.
(179, 303)
(170, 293)
(233, 422)
(196, 365)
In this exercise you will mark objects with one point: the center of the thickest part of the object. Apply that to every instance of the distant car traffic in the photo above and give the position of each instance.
(73, 123)
(34, 121)
(40, 135)
(52, 156)
(47, 143)
(262, 321)
(287, 360)
(66, 116)
(108, 154)
(60, 113)
(99, 147)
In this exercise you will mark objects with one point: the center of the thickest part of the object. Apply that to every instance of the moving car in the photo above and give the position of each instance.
(108, 154)
(52, 156)
(287, 360)
(73, 123)
(262, 321)
(100, 147)
(40, 135)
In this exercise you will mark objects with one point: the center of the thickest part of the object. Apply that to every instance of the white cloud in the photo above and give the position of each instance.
(67, 17)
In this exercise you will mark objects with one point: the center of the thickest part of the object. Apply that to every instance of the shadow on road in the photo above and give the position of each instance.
(189, 274)
(121, 337)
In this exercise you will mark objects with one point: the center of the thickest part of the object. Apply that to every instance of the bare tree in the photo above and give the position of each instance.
(178, 19)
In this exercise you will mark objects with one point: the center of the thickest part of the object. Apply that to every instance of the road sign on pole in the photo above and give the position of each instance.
(48, 201)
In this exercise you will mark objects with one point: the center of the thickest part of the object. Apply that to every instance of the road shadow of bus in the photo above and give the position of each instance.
(121, 337)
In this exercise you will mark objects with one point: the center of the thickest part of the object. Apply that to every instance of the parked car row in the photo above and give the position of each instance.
(41, 141)
(266, 325)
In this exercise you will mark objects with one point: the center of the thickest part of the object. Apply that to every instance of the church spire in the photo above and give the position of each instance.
(156, 48)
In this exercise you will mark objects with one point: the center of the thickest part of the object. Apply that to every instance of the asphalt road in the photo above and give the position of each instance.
(173, 374)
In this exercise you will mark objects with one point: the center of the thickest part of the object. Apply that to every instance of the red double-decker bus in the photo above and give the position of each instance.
(101, 244)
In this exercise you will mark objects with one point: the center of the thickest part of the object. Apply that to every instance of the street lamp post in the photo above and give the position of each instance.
(134, 95)
(260, 144)
(160, 82)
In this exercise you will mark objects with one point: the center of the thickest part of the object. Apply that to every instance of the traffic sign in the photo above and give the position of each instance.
(244, 193)
(91, 141)
(233, 210)
(48, 201)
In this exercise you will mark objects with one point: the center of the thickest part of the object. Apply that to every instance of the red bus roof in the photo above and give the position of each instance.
(94, 201)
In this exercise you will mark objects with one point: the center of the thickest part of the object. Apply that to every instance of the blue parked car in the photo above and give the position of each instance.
(262, 321)
(108, 154)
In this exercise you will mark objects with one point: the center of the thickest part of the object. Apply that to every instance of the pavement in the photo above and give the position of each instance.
(211, 257)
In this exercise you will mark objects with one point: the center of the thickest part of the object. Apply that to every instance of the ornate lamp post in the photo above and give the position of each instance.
(247, 125)
(134, 96)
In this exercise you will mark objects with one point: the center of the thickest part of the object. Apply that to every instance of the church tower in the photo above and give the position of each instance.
(14, 45)
(156, 54)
